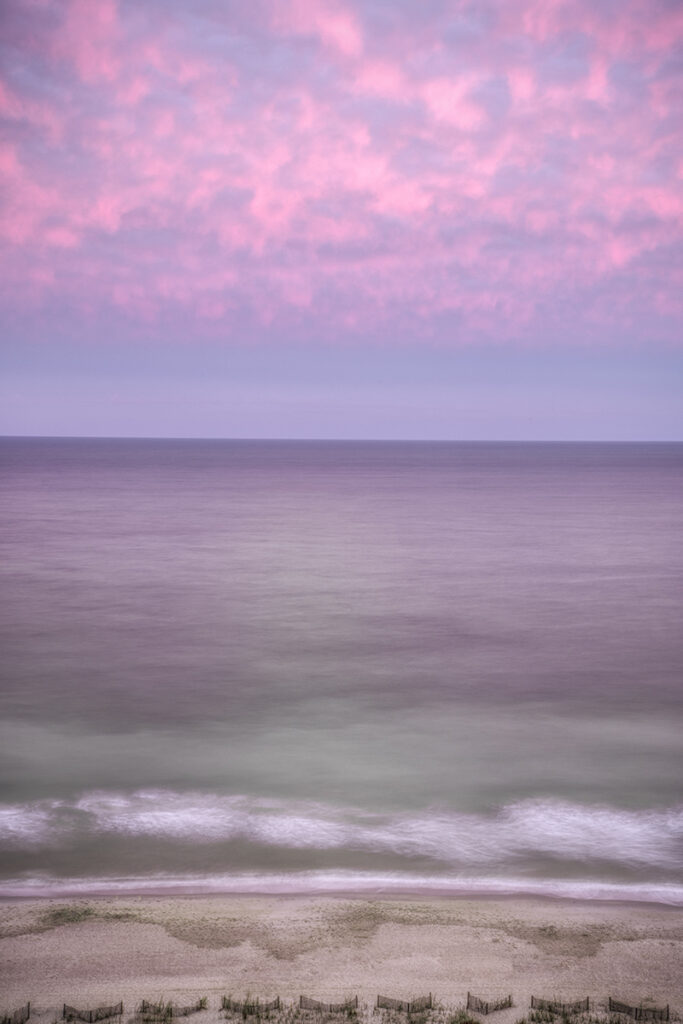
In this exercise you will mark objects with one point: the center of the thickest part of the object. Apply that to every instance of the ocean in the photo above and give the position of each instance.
(273, 666)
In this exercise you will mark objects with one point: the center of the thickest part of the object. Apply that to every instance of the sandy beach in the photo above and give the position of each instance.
(89, 952)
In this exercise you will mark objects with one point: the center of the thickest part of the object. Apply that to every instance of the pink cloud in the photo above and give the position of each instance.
(382, 78)
(134, 90)
(86, 39)
(26, 205)
(44, 117)
(62, 238)
(106, 213)
(447, 99)
(522, 83)
(336, 26)
(154, 165)
(597, 86)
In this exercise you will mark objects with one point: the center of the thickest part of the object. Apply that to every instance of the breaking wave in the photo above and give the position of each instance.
(546, 828)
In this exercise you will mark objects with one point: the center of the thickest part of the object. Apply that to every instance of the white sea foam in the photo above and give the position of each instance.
(320, 882)
(34, 824)
(551, 828)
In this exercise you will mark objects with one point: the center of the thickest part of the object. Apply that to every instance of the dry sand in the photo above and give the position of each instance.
(181, 948)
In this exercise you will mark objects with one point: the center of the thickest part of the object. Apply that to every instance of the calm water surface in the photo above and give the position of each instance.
(296, 665)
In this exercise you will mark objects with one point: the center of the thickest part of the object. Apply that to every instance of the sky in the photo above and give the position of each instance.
(452, 219)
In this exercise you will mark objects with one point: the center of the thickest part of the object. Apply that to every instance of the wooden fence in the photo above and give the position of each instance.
(639, 1012)
(305, 1003)
(19, 1016)
(99, 1013)
(480, 1006)
(580, 1006)
(167, 1011)
(414, 1006)
(249, 1008)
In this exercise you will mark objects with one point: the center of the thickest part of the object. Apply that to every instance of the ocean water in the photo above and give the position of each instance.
(303, 666)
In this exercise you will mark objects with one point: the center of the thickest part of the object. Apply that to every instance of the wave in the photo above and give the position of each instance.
(338, 882)
(551, 828)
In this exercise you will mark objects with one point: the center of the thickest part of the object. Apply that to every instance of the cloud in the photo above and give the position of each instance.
(482, 171)
(333, 24)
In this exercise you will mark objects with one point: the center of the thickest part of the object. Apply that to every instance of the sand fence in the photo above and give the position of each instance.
(160, 1012)
(639, 1012)
(561, 1009)
(306, 1003)
(413, 1006)
(483, 1006)
(166, 1011)
(19, 1016)
(89, 1016)
(249, 1007)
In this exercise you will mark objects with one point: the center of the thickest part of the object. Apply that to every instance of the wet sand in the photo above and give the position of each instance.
(89, 952)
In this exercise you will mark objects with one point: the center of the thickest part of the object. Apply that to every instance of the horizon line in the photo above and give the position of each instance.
(337, 440)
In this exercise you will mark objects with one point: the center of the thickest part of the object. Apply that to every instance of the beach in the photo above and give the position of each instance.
(98, 951)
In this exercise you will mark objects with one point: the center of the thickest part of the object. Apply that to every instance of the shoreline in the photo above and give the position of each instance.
(101, 950)
(373, 895)
(321, 884)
